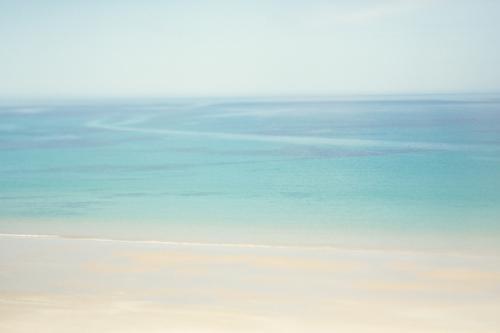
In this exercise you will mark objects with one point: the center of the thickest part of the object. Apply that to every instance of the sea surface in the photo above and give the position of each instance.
(367, 171)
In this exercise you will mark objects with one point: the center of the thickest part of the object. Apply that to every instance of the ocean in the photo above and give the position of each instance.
(378, 171)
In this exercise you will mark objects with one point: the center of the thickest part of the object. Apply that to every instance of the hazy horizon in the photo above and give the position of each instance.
(114, 49)
(481, 96)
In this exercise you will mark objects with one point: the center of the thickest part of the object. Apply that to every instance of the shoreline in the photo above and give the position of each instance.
(236, 245)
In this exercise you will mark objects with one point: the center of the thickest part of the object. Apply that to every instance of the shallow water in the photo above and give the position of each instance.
(313, 171)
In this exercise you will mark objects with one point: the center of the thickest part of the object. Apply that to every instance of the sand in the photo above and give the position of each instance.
(81, 285)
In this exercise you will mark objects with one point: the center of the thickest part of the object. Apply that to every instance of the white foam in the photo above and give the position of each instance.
(351, 249)
(28, 236)
(160, 242)
(297, 140)
(29, 110)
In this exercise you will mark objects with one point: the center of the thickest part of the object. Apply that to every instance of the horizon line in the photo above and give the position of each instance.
(319, 95)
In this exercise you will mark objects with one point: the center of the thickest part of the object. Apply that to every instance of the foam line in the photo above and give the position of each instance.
(288, 139)
(159, 242)
(244, 245)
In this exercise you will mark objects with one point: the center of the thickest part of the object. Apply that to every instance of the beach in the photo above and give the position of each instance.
(250, 166)
(55, 284)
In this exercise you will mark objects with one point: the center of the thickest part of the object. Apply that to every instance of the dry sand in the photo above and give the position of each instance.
(71, 285)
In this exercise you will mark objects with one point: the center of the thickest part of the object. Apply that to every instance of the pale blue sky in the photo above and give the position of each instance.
(70, 48)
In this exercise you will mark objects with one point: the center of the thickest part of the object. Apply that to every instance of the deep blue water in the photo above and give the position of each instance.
(191, 168)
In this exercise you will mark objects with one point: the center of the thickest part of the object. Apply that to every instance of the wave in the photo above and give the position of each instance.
(324, 247)
(187, 244)
(160, 242)
(288, 139)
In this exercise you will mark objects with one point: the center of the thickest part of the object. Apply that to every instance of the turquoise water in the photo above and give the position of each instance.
(255, 170)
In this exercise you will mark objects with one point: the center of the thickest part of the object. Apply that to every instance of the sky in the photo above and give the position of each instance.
(114, 48)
